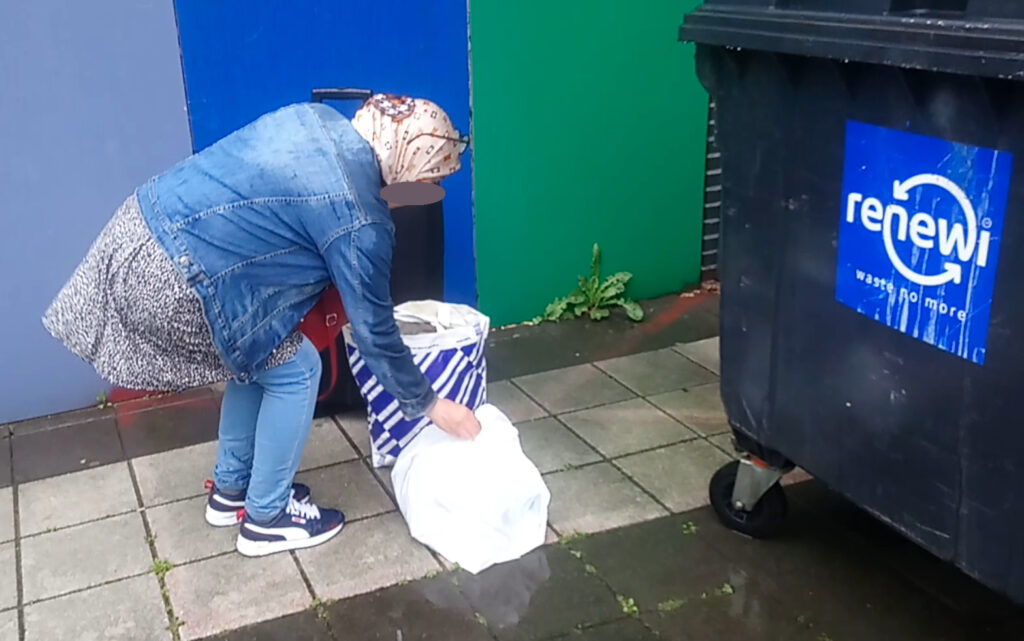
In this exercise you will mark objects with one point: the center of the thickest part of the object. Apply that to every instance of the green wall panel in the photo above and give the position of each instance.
(589, 126)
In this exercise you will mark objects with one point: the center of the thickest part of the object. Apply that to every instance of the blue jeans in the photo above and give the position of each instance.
(264, 425)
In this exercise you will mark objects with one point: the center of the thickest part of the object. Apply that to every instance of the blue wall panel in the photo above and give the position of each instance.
(91, 105)
(243, 59)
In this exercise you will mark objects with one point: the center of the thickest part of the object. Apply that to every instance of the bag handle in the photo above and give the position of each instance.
(320, 95)
(442, 317)
(441, 321)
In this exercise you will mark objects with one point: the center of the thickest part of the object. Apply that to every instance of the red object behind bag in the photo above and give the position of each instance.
(322, 325)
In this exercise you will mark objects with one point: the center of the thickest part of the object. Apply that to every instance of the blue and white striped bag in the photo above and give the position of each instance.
(451, 356)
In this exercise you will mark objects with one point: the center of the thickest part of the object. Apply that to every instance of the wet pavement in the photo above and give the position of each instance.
(836, 574)
(101, 535)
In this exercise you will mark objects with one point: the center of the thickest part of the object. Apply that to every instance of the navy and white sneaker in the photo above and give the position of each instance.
(224, 509)
(300, 525)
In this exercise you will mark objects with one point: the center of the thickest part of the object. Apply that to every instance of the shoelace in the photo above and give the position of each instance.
(304, 510)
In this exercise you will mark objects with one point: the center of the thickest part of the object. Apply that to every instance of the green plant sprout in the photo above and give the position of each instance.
(594, 297)
(320, 608)
(161, 568)
(572, 538)
(629, 606)
(175, 626)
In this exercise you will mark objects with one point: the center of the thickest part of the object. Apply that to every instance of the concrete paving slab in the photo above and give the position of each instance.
(8, 576)
(75, 498)
(699, 408)
(232, 591)
(83, 556)
(552, 447)
(349, 487)
(128, 610)
(624, 428)
(183, 535)
(326, 445)
(175, 474)
(596, 498)
(573, 388)
(366, 556)
(6, 514)
(677, 475)
(656, 372)
(516, 405)
(704, 352)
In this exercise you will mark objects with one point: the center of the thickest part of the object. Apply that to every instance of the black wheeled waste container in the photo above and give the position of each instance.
(872, 263)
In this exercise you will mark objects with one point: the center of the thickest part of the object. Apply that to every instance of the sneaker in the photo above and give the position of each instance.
(224, 509)
(300, 525)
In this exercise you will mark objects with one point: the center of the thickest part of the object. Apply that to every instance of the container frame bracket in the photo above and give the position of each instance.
(753, 479)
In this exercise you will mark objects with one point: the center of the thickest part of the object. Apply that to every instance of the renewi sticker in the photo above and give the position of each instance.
(919, 235)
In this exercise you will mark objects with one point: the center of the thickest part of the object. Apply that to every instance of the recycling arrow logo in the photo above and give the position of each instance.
(952, 272)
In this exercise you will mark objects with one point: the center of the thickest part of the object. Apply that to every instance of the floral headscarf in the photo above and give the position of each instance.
(413, 138)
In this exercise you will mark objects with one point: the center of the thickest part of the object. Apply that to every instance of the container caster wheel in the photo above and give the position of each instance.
(759, 487)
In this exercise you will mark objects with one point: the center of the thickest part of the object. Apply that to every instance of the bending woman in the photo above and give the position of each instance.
(204, 273)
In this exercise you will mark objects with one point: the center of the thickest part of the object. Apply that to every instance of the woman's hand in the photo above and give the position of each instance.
(457, 420)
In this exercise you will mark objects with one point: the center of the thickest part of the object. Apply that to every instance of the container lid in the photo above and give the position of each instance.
(976, 37)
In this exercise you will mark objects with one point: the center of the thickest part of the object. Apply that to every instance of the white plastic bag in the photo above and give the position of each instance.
(477, 503)
(451, 356)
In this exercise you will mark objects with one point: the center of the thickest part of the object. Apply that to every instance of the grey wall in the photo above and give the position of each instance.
(91, 105)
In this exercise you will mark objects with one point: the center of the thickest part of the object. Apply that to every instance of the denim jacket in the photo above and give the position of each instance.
(262, 221)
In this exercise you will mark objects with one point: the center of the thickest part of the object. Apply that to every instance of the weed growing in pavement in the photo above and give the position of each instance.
(174, 626)
(594, 297)
(161, 568)
(571, 538)
(321, 610)
(629, 606)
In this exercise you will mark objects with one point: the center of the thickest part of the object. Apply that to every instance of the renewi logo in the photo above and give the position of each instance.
(959, 242)
(919, 235)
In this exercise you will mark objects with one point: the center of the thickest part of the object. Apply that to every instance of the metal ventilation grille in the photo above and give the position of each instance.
(712, 201)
